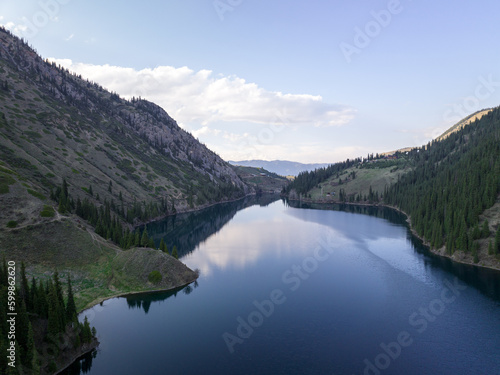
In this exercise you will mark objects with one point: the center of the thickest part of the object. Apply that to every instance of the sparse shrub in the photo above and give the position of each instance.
(48, 211)
(36, 194)
(52, 366)
(12, 224)
(154, 277)
(5, 181)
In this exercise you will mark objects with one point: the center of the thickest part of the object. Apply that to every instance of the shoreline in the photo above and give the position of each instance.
(438, 252)
(99, 300)
(199, 208)
(122, 294)
(95, 344)
(91, 347)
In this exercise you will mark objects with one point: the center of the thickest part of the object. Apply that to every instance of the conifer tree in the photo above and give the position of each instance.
(54, 313)
(31, 357)
(29, 349)
(43, 305)
(65, 188)
(25, 290)
(130, 240)
(62, 203)
(174, 252)
(22, 331)
(61, 310)
(151, 243)
(163, 246)
(144, 238)
(70, 305)
(86, 333)
(485, 230)
(137, 239)
(4, 278)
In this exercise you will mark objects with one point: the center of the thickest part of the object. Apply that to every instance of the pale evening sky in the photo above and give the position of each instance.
(316, 81)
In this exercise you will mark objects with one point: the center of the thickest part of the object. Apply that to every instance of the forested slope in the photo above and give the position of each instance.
(449, 188)
(454, 181)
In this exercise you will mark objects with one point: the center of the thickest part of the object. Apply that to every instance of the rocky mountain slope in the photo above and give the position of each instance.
(56, 125)
(262, 180)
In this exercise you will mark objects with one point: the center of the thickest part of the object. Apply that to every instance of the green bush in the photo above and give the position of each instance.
(48, 211)
(36, 194)
(52, 366)
(12, 224)
(155, 277)
(5, 181)
(5, 170)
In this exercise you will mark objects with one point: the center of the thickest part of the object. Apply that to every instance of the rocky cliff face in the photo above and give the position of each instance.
(55, 125)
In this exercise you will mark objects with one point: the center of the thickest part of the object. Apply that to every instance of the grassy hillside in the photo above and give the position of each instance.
(377, 176)
(261, 179)
(462, 123)
(97, 267)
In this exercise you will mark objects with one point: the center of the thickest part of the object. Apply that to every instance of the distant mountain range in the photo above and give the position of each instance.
(281, 167)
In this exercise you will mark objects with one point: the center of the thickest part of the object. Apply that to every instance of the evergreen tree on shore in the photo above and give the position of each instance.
(70, 306)
(47, 309)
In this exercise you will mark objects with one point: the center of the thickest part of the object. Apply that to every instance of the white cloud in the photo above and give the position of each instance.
(204, 130)
(199, 98)
(16, 29)
(69, 37)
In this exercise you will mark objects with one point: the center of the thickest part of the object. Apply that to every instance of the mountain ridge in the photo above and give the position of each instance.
(55, 120)
(281, 167)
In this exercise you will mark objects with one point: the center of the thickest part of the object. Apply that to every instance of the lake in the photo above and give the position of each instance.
(302, 290)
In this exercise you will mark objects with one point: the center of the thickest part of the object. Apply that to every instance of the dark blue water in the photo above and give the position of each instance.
(288, 290)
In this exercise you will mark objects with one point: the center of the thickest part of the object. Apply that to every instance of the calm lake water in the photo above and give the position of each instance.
(286, 290)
